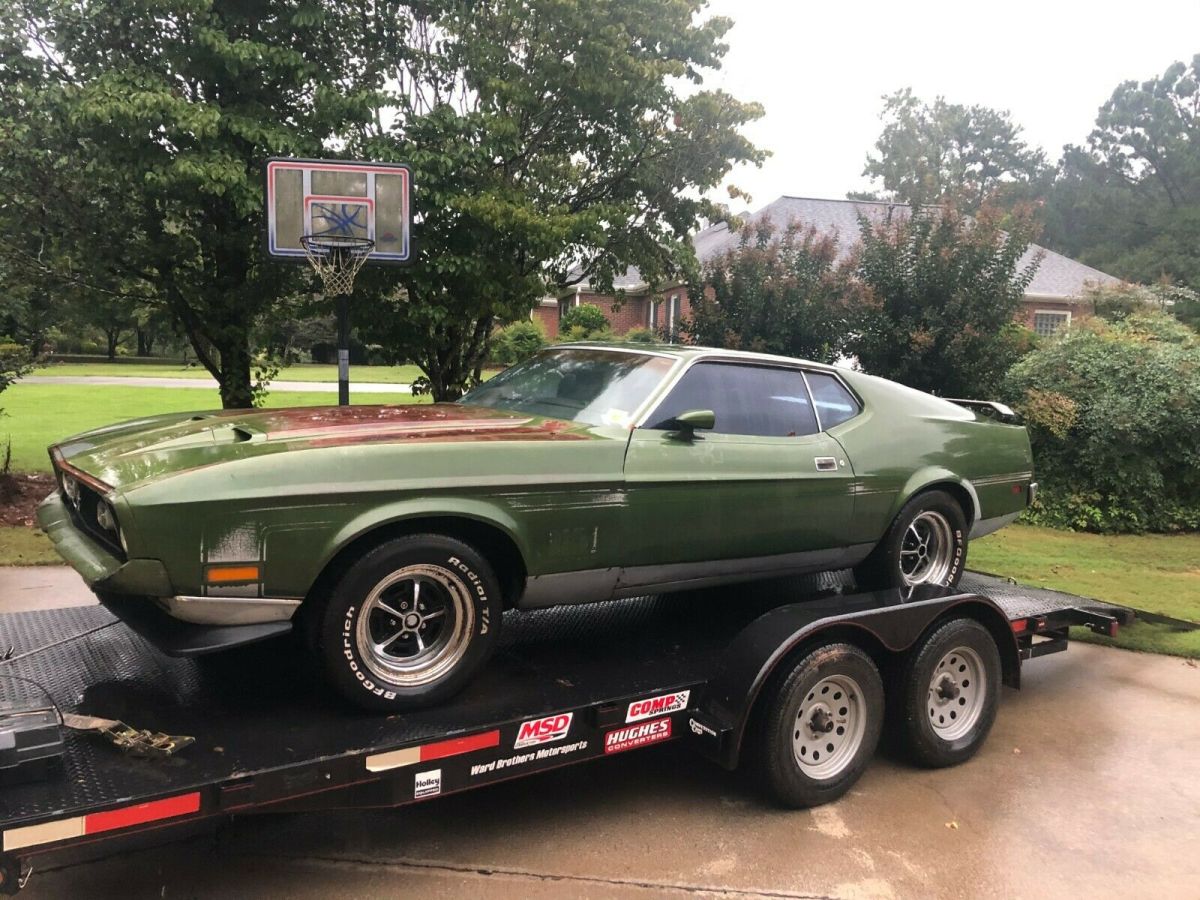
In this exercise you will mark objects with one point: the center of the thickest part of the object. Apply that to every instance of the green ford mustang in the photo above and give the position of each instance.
(393, 537)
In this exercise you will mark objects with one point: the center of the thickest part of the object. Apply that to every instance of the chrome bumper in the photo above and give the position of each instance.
(229, 610)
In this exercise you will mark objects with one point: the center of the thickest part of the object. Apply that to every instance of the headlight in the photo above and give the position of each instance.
(71, 489)
(105, 517)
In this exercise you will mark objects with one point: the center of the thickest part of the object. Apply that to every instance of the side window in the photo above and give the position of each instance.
(751, 400)
(835, 404)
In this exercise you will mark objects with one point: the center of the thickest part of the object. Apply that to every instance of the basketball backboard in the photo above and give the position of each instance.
(308, 197)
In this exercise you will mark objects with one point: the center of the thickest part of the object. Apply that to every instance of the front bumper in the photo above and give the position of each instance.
(176, 638)
(99, 567)
(130, 590)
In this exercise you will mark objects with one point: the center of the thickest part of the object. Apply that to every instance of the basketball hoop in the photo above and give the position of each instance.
(336, 258)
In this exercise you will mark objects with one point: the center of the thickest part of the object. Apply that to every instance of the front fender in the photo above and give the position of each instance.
(929, 476)
(421, 508)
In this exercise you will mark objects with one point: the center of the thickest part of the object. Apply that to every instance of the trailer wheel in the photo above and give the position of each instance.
(820, 726)
(410, 622)
(950, 690)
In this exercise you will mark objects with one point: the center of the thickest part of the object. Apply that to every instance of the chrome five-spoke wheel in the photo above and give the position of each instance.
(415, 625)
(927, 549)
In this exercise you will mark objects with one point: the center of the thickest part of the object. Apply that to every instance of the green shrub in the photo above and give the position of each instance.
(579, 333)
(585, 316)
(1113, 411)
(517, 342)
(640, 336)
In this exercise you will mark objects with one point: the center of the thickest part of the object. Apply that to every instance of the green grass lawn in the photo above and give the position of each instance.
(1155, 572)
(296, 372)
(21, 546)
(37, 415)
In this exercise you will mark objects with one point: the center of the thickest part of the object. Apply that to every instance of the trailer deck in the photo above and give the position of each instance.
(270, 736)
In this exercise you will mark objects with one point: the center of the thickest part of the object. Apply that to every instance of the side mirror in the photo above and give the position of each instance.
(687, 423)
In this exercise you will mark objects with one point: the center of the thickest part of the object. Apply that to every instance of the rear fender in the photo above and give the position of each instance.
(929, 477)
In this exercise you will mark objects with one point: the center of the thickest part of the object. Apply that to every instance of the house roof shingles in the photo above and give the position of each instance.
(1057, 277)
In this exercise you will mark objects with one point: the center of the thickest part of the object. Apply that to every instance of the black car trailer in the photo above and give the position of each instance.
(768, 676)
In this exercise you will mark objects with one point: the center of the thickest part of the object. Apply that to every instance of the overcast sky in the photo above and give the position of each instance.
(820, 69)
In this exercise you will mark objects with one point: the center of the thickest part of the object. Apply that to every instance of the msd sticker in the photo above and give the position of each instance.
(543, 731)
(633, 736)
(657, 706)
(427, 784)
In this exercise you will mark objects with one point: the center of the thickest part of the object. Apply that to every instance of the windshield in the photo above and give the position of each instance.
(596, 387)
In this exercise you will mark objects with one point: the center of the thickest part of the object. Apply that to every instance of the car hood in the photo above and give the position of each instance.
(141, 450)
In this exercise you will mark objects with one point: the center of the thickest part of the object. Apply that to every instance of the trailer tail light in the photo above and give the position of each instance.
(1019, 625)
(96, 823)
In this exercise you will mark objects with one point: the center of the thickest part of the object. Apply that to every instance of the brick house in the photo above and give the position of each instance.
(1053, 298)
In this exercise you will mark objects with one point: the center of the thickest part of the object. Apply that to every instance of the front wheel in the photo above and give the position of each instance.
(410, 622)
(926, 544)
(820, 726)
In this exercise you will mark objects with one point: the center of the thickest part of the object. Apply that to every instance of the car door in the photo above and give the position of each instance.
(764, 481)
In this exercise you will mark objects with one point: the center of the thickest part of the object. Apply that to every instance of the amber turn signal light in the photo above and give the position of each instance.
(230, 574)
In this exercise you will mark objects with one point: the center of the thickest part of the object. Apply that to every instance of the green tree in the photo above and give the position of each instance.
(551, 141)
(145, 130)
(929, 153)
(1129, 201)
(943, 290)
(786, 294)
(1113, 411)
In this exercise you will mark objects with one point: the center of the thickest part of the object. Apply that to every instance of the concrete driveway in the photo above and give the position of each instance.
(1089, 786)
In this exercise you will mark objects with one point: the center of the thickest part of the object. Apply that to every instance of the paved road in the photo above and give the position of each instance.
(1088, 787)
(331, 387)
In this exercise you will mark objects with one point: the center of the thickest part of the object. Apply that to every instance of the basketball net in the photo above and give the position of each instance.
(336, 258)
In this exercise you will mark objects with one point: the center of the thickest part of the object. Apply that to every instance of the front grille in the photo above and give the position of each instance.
(84, 517)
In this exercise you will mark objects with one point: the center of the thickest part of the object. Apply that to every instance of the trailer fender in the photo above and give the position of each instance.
(891, 621)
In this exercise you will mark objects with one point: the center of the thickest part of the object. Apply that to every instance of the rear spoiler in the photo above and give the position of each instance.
(991, 409)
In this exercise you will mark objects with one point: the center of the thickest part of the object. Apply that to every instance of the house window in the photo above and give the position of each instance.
(672, 317)
(1048, 321)
(652, 321)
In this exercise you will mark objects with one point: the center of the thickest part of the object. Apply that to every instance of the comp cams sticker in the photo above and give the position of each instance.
(657, 706)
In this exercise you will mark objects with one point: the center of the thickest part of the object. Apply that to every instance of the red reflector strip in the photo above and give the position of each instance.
(1018, 625)
(96, 823)
(394, 759)
(142, 813)
(455, 746)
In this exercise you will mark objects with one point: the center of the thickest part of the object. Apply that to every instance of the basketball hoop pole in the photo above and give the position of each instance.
(343, 329)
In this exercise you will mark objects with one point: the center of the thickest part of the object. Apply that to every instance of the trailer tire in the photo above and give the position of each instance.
(949, 693)
(410, 622)
(831, 698)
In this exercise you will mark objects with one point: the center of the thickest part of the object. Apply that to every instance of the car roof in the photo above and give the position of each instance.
(690, 351)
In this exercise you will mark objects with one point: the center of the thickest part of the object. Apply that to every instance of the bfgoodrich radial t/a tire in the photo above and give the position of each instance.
(410, 622)
(949, 691)
(926, 544)
(820, 726)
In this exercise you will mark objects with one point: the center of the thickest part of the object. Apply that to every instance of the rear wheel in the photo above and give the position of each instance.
(410, 622)
(820, 726)
(926, 544)
(949, 694)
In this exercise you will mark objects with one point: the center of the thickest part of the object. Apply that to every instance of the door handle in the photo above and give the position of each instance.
(826, 463)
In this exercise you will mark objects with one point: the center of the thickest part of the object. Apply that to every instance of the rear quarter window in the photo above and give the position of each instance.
(834, 403)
